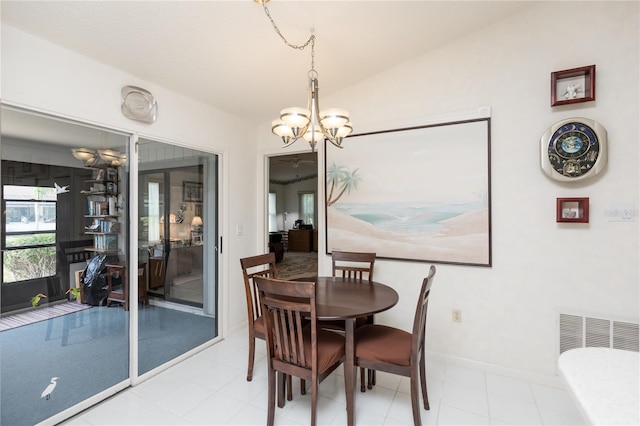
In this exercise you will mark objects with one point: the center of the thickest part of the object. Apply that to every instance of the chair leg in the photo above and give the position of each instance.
(415, 407)
(271, 411)
(371, 378)
(423, 382)
(362, 387)
(303, 387)
(314, 402)
(289, 388)
(282, 379)
(252, 353)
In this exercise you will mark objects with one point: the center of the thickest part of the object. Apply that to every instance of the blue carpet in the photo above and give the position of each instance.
(89, 352)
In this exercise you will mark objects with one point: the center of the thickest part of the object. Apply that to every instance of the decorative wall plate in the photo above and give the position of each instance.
(573, 149)
(139, 104)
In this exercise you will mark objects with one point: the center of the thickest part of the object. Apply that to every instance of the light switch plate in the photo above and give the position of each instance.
(620, 212)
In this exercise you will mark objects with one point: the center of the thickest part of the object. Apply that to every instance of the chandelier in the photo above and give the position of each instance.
(310, 123)
(91, 157)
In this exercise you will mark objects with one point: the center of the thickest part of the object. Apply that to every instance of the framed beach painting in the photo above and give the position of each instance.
(420, 193)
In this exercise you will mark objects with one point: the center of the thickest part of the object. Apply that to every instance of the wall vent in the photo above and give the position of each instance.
(578, 331)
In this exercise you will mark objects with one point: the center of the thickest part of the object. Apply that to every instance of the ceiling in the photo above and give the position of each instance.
(226, 54)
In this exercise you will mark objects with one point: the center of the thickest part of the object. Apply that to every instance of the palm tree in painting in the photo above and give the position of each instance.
(347, 182)
(335, 175)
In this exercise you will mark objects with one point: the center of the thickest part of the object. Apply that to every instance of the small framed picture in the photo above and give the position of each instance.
(572, 210)
(196, 238)
(573, 85)
(192, 191)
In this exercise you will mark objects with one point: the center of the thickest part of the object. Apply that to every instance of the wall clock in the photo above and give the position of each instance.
(573, 149)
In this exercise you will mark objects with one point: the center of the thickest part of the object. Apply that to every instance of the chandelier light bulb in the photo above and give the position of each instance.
(280, 129)
(334, 118)
(313, 135)
(344, 131)
(83, 154)
(295, 117)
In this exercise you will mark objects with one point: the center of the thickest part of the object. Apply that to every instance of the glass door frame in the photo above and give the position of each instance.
(131, 245)
(212, 304)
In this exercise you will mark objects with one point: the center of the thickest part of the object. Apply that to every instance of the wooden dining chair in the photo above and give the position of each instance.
(263, 265)
(354, 265)
(383, 348)
(357, 266)
(295, 344)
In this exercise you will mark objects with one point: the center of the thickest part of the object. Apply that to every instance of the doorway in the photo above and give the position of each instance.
(171, 233)
(292, 209)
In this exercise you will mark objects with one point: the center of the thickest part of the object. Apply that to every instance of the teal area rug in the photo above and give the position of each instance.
(88, 351)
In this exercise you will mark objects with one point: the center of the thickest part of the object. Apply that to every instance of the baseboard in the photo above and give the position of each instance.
(542, 379)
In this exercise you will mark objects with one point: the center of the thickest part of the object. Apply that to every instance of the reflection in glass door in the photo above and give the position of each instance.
(65, 220)
(177, 236)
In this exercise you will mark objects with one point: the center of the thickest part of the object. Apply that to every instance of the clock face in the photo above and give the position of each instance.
(573, 149)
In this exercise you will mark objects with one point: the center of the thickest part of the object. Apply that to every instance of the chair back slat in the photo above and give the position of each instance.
(263, 265)
(287, 307)
(353, 265)
(420, 319)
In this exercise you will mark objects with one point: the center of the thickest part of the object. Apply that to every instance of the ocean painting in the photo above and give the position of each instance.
(417, 194)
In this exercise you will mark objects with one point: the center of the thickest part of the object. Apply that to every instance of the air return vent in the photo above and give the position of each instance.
(585, 332)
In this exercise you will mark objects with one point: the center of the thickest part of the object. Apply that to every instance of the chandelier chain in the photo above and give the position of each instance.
(311, 41)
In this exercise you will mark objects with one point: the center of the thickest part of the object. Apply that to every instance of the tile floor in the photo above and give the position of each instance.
(210, 388)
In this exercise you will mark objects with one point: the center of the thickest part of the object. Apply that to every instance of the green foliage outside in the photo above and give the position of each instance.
(29, 263)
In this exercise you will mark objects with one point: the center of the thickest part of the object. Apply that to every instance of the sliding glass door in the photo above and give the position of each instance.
(72, 271)
(177, 237)
(62, 340)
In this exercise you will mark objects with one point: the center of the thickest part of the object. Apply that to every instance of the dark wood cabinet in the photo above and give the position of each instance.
(301, 240)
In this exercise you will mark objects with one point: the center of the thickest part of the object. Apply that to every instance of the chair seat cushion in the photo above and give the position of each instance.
(383, 343)
(330, 349)
(258, 328)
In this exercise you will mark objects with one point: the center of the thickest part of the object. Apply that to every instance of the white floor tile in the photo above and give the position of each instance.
(385, 380)
(454, 416)
(556, 406)
(185, 398)
(401, 411)
(210, 388)
(465, 377)
(464, 398)
(377, 400)
(245, 391)
(362, 417)
(512, 410)
(301, 409)
(217, 409)
(249, 415)
(130, 409)
(159, 386)
(504, 386)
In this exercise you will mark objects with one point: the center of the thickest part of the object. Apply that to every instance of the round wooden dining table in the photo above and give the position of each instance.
(347, 299)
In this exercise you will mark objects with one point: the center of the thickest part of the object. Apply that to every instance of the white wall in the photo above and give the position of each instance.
(540, 267)
(42, 76)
